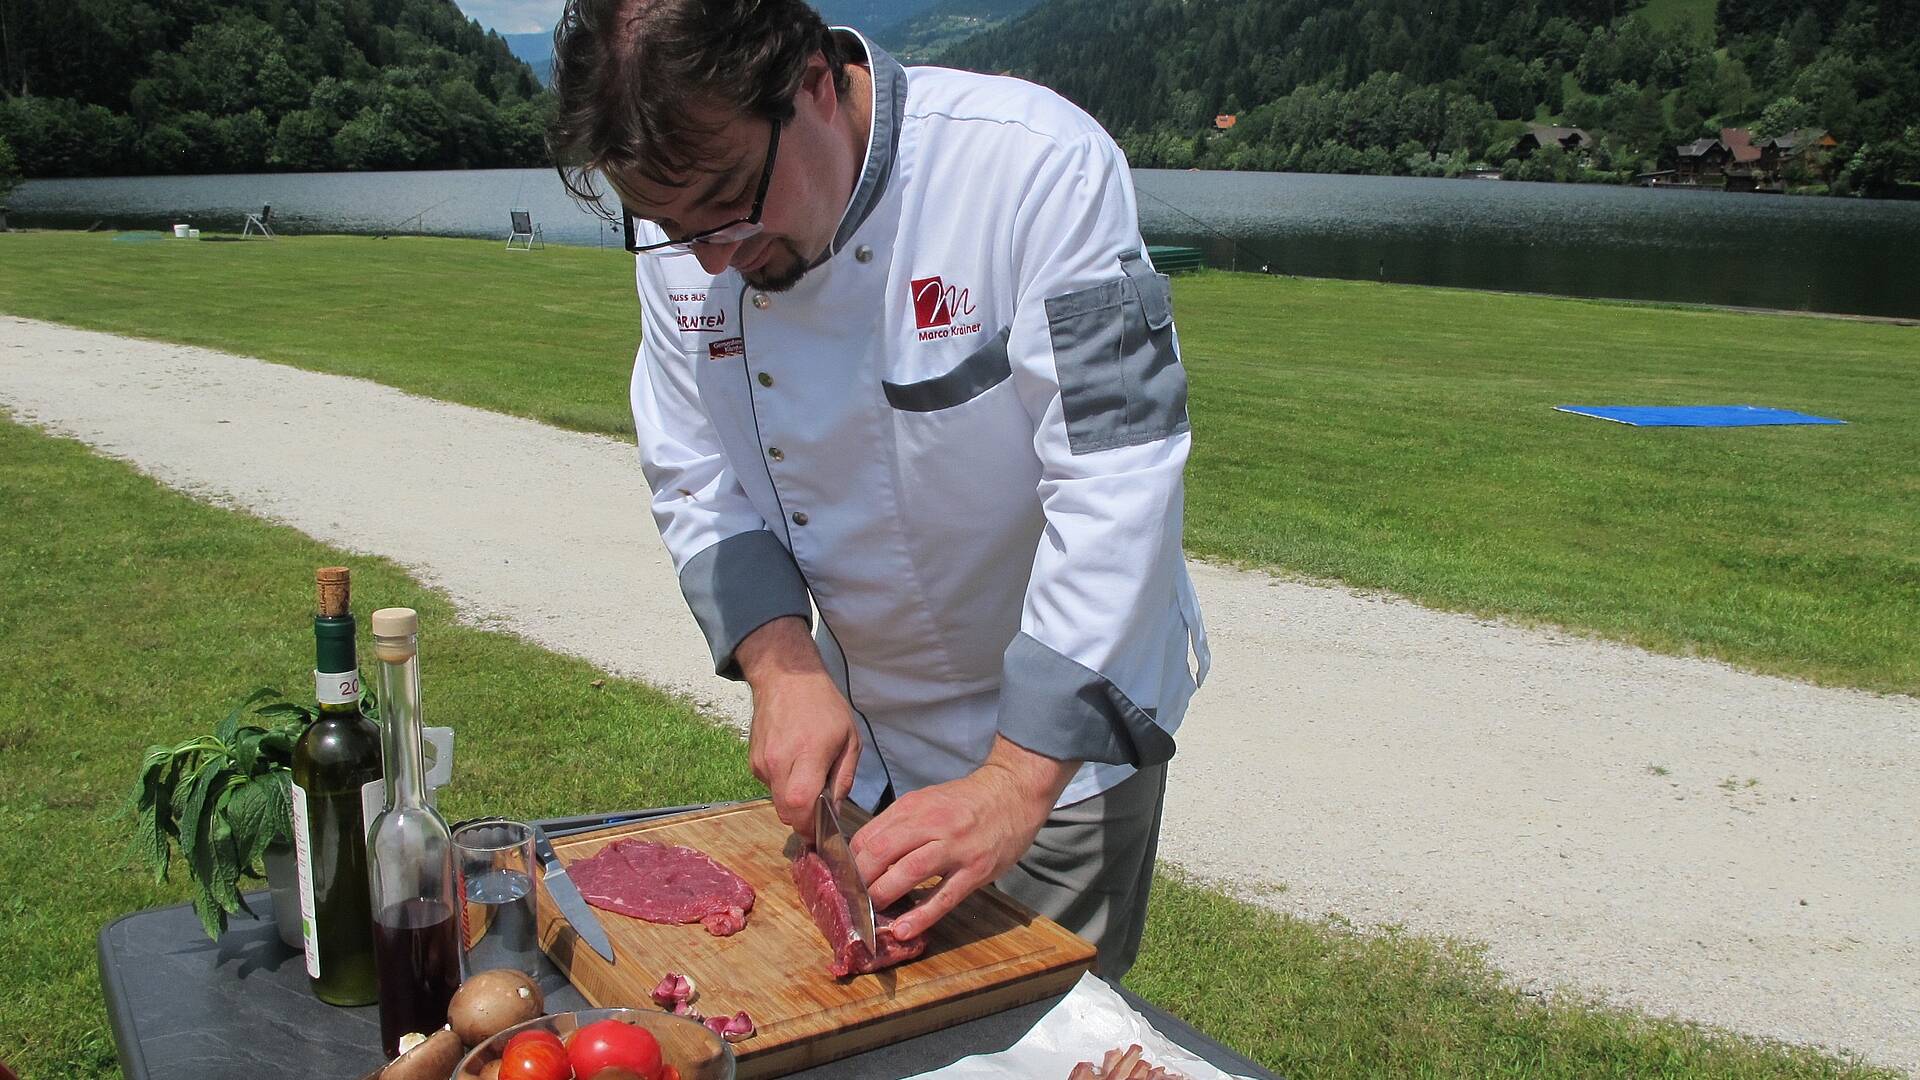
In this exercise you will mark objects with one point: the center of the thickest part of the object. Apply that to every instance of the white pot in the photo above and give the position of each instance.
(180, 232)
(283, 879)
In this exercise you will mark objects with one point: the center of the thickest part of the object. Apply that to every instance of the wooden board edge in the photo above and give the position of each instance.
(875, 1033)
(631, 828)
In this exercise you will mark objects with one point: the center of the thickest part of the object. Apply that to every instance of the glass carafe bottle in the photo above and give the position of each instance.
(416, 934)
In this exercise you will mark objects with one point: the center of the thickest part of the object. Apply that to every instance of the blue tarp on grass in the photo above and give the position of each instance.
(1694, 415)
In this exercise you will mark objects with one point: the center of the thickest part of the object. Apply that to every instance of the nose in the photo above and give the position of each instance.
(715, 258)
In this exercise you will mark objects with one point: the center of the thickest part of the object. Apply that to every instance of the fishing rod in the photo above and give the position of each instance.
(419, 218)
(1266, 263)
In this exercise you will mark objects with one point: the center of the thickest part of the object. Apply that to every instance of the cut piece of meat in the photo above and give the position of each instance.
(664, 883)
(725, 923)
(835, 920)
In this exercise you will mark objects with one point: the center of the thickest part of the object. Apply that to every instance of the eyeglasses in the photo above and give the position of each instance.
(731, 233)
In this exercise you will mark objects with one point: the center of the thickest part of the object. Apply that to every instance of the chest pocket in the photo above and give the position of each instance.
(1121, 383)
(982, 370)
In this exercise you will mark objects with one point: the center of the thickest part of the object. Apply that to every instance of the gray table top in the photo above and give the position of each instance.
(186, 1008)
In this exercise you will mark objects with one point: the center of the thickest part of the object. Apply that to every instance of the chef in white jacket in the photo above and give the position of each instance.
(904, 363)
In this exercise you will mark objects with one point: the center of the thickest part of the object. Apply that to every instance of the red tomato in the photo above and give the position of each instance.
(534, 1035)
(535, 1059)
(610, 1044)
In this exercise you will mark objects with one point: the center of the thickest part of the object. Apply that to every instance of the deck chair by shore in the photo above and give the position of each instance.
(258, 223)
(525, 232)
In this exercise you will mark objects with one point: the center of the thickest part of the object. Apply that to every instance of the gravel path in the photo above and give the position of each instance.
(1670, 833)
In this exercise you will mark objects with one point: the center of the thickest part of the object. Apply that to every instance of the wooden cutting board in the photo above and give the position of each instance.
(990, 954)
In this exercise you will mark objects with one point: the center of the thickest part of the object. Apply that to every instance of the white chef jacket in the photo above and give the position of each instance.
(961, 436)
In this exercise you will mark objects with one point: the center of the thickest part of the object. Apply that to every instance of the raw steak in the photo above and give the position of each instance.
(664, 883)
(835, 920)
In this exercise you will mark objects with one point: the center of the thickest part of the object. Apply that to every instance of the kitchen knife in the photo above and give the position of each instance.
(831, 843)
(574, 907)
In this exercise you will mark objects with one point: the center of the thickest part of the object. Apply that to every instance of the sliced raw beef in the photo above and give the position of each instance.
(664, 883)
(835, 920)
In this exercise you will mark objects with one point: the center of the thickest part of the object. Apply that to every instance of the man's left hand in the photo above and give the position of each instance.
(967, 832)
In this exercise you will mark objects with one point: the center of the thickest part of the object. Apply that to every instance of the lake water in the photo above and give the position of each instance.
(1816, 254)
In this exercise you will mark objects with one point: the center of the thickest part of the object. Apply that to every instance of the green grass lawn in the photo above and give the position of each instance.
(135, 615)
(1391, 437)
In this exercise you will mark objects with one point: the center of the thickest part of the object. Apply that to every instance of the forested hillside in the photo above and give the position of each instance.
(1399, 86)
(869, 16)
(115, 87)
(916, 38)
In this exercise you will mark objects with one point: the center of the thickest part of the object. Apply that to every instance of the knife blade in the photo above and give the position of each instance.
(831, 843)
(574, 907)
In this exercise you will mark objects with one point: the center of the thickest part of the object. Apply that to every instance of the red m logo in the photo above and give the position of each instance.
(930, 304)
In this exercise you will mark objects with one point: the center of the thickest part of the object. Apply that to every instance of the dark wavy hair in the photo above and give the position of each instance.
(635, 77)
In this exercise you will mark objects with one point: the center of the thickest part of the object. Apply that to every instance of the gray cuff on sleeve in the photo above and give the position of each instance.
(739, 585)
(1055, 705)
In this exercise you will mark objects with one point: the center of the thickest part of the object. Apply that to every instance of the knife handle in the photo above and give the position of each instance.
(543, 851)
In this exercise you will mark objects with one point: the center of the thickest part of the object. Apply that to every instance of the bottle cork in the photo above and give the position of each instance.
(332, 585)
(393, 632)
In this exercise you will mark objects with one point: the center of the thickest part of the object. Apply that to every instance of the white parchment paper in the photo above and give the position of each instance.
(1087, 1023)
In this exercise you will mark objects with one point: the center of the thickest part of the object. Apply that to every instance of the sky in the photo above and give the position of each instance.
(513, 16)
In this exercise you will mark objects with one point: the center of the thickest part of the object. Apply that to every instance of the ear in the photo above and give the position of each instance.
(816, 86)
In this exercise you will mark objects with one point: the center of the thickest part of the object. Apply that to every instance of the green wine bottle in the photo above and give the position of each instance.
(336, 770)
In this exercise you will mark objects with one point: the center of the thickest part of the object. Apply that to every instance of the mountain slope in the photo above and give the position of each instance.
(922, 37)
(127, 86)
(1428, 85)
(869, 16)
(536, 50)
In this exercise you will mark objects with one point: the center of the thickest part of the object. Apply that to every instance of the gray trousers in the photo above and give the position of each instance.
(1092, 865)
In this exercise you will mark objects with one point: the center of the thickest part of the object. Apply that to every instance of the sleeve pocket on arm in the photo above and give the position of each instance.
(1121, 383)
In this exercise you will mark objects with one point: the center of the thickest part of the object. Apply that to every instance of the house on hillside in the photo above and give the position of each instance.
(1571, 139)
(1743, 159)
(1701, 159)
(1805, 147)
(1225, 121)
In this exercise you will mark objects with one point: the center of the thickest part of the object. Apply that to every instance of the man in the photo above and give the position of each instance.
(903, 360)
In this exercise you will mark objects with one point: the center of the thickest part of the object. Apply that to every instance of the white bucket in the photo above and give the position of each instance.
(180, 232)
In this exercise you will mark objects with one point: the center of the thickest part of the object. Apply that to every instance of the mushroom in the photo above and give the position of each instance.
(432, 1058)
(492, 1002)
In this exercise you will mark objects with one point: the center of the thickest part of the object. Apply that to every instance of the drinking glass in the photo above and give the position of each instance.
(499, 923)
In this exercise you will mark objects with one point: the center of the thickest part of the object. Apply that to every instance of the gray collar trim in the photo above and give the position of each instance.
(883, 145)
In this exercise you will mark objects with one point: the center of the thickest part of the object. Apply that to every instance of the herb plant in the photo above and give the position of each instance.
(223, 799)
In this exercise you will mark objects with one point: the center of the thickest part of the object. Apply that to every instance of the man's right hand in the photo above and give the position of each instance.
(802, 725)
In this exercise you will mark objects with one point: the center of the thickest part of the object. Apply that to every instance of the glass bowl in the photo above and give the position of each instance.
(688, 1045)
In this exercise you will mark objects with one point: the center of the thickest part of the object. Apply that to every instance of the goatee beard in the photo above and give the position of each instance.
(770, 279)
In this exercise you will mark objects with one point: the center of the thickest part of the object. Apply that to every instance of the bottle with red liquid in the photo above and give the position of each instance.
(416, 935)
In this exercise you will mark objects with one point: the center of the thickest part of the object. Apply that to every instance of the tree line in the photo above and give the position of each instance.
(119, 87)
(1434, 88)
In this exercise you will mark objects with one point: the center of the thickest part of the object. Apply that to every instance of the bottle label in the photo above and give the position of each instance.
(336, 687)
(303, 858)
(373, 799)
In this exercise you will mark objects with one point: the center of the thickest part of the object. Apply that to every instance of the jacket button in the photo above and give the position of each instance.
(863, 253)
(799, 518)
(766, 379)
(762, 301)
(776, 453)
